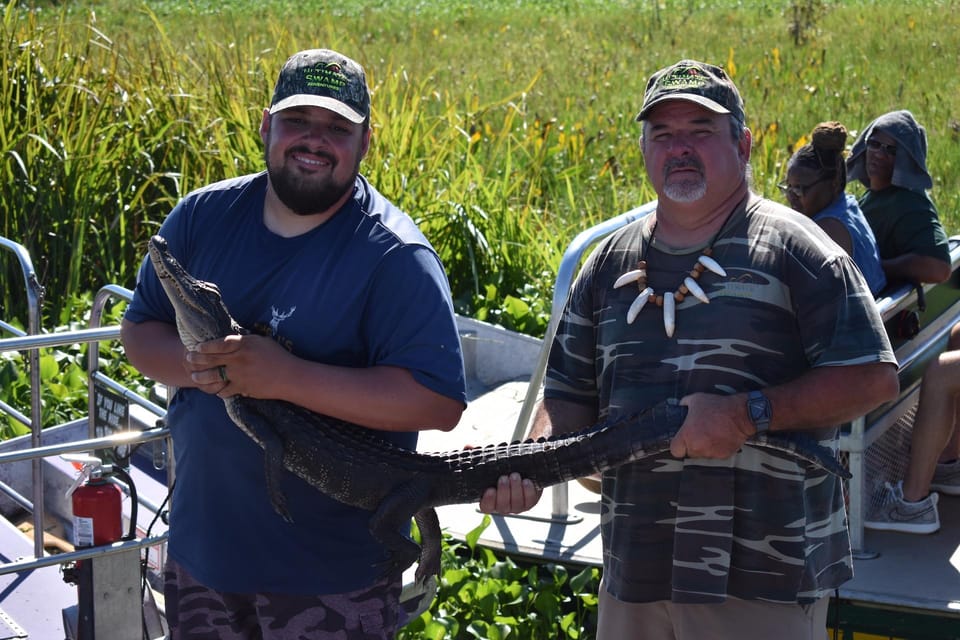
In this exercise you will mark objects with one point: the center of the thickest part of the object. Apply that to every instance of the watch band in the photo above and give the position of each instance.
(759, 410)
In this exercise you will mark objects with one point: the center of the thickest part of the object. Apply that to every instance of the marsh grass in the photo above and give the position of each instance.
(503, 127)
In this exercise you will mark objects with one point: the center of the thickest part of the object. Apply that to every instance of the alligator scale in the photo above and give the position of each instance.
(354, 466)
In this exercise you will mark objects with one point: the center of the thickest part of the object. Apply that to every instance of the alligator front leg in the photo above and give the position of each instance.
(273, 470)
(245, 414)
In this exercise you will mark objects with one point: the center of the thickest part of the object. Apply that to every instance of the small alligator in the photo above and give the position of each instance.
(356, 467)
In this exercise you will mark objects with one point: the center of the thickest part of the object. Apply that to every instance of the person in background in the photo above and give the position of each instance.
(350, 316)
(744, 312)
(890, 158)
(816, 187)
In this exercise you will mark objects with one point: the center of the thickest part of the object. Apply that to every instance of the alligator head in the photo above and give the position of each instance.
(201, 314)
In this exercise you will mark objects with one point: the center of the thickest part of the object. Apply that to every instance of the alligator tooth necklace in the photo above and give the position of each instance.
(669, 299)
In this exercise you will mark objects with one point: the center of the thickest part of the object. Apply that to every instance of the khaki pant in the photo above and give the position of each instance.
(731, 620)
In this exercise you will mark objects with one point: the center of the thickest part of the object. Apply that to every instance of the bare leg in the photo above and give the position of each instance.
(933, 426)
(952, 450)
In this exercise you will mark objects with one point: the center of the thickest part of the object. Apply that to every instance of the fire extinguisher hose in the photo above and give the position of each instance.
(134, 503)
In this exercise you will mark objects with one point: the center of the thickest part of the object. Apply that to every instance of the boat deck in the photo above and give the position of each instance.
(912, 570)
(29, 600)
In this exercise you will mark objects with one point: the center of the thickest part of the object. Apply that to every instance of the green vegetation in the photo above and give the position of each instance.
(503, 126)
(484, 595)
(63, 372)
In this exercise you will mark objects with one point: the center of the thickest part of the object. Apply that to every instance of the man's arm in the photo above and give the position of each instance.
(154, 348)
(911, 267)
(717, 425)
(514, 494)
(386, 398)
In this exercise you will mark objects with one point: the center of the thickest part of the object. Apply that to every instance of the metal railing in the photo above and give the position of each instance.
(36, 453)
(31, 342)
(35, 294)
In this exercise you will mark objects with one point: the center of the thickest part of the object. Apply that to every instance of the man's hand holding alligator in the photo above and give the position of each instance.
(207, 377)
(512, 494)
(234, 365)
(716, 426)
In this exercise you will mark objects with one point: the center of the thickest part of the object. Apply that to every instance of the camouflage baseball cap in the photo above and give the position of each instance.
(704, 84)
(323, 78)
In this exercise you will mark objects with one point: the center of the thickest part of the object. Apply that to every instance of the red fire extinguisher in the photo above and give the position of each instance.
(97, 514)
(97, 520)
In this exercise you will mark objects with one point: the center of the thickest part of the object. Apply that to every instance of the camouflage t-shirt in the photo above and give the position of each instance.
(760, 525)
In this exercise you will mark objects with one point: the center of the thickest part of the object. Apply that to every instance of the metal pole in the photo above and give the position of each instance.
(87, 552)
(35, 294)
(565, 275)
(126, 437)
(93, 351)
(569, 265)
(59, 338)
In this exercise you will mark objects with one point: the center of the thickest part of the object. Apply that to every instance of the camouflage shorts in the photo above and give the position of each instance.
(195, 612)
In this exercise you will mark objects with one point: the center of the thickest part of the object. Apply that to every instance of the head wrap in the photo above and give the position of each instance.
(910, 163)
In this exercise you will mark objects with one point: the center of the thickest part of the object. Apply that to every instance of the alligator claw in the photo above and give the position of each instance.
(417, 597)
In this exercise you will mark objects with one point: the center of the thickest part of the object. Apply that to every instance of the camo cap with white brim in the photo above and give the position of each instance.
(323, 78)
(698, 82)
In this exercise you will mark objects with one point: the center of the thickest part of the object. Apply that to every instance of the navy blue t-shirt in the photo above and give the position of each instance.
(363, 289)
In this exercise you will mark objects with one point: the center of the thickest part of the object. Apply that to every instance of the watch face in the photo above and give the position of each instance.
(759, 407)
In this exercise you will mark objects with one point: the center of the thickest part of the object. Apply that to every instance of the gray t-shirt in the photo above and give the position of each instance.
(759, 525)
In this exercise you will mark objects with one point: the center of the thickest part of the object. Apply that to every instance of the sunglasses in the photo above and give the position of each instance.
(876, 145)
(800, 189)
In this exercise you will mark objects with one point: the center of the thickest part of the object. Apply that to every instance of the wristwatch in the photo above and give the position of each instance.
(759, 410)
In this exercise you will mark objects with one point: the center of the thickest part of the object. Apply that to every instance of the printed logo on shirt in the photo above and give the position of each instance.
(272, 327)
(277, 317)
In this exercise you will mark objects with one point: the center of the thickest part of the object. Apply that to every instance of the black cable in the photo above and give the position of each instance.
(159, 512)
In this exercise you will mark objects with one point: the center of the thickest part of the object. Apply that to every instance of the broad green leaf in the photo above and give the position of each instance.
(580, 581)
(48, 367)
(474, 535)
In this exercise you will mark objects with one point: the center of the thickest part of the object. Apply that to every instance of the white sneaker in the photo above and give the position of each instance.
(946, 479)
(896, 514)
